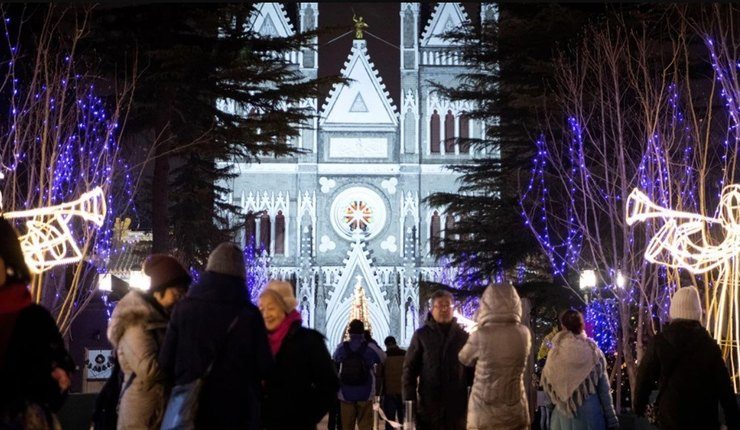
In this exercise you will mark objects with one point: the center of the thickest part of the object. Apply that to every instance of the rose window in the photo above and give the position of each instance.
(358, 209)
(359, 215)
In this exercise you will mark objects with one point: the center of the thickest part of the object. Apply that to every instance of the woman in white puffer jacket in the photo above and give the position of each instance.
(499, 348)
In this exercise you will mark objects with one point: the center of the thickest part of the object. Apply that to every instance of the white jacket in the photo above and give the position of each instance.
(499, 349)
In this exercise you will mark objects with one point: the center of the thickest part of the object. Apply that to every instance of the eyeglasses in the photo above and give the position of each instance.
(444, 307)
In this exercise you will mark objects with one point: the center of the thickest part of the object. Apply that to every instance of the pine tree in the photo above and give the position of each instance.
(191, 59)
(512, 62)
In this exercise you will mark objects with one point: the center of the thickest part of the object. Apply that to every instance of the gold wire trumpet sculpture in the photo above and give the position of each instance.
(48, 240)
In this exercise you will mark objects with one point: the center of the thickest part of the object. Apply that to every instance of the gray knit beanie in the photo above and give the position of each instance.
(227, 259)
(686, 304)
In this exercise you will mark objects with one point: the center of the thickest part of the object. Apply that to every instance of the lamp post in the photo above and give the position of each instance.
(587, 281)
(620, 281)
(137, 279)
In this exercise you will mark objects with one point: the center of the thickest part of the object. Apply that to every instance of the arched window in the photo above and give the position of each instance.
(449, 133)
(434, 232)
(449, 226)
(265, 232)
(280, 233)
(464, 133)
(434, 133)
(249, 231)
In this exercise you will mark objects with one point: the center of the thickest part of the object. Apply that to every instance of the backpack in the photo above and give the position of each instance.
(354, 370)
(105, 415)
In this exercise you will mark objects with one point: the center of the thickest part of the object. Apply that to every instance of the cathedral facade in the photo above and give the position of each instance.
(346, 218)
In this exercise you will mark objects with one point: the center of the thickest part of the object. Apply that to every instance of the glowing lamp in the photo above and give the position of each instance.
(587, 279)
(137, 279)
(105, 282)
(620, 280)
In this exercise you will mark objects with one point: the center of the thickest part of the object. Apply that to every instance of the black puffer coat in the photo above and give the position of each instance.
(230, 398)
(304, 384)
(692, 380)
(443, 380)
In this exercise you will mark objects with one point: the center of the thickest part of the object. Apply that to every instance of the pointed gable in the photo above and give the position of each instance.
(446, 16)
(270, 19)
(357, 264)
(364, 100)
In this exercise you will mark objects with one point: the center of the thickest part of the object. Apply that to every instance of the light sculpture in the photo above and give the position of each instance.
(48, 241)
(683, 242)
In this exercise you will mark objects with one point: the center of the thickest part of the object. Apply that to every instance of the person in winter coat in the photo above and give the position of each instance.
(686, 365)
(392, 381)
(499, 349)
(34, 364)
(197, 333)
(304, 376)
(136, 331)
(575, 379)
(441, 400)
(357, 358)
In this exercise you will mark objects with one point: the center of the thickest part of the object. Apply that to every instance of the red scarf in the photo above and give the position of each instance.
(276, 336)
(13, 299)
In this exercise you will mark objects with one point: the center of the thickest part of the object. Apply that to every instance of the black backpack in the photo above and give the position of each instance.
(105, 415)
(354, 370)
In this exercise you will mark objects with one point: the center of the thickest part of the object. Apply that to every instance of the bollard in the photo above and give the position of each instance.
(408, 416)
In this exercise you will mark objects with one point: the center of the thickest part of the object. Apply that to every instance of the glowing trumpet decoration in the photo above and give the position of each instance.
(683, 242)
(48, 240)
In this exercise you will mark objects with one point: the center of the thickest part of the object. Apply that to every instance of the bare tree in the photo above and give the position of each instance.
(636, 110)
(59, 141)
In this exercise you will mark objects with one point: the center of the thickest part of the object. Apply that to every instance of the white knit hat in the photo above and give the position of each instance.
(227, 259)
(686, 305)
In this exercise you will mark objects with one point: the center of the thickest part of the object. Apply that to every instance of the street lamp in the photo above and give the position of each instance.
(620, 280)
(105, 282)
(137, 279)
(587, 280)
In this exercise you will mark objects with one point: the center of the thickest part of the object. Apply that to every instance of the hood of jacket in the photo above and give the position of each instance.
(134, 308)
(217, 287)
(499, 303)
(684, 335)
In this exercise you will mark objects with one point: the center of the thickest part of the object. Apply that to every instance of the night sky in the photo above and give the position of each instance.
(383, 20)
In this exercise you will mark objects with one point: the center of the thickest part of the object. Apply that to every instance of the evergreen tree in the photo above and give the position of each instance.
(512, 65)
(213, 90)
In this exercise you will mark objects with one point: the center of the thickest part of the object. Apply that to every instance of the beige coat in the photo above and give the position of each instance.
(136, 331)
(499, 350)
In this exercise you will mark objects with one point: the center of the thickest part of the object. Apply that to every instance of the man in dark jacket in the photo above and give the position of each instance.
(441, 400)
(197, 333)
(691, 376)
(392, 378)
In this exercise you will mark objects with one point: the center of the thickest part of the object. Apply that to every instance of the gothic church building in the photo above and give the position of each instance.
(347, 217)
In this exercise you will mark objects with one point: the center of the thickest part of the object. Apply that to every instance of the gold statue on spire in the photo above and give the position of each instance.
(360, 25)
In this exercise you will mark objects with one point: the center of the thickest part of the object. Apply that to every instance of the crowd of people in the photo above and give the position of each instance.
(262, 369)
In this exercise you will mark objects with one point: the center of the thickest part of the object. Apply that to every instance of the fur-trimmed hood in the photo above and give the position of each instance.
(134, 309)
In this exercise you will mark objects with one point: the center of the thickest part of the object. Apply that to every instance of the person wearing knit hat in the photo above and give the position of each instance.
(137, 327)
(304, 369)
(217, 324)
(35, 367)
(686, 305)
(690, 370)
(227, 259)
(169, 281)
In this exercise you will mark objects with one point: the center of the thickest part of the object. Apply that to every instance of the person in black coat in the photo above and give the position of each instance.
(687, 365)
(304, 383)
(34, 364)
(441, 403)
(197, 332)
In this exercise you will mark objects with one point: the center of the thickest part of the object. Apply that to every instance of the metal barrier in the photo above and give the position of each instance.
(379, 417)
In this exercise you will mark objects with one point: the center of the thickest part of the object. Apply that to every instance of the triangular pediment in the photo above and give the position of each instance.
(446, 17)
(270, 19)
(364, 100)
(357, 268)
